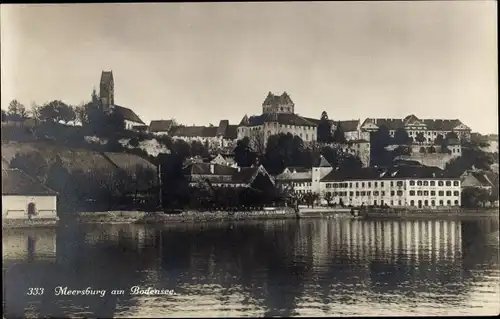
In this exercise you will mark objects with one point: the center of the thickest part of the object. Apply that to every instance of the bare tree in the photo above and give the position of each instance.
(17, 109)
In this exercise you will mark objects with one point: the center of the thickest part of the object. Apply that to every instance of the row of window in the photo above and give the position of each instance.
(433, 183)
(433, 203)
(301, 184)
(433, 193)
(356, 184)
(367, 193)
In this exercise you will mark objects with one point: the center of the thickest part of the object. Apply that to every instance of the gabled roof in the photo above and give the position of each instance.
(431, 124)
(227, 130)
(275, 100)
(195, 131)
(395, 172)
(348, 126)
(227, 174)
(15, 182)
(106, 77)
(127, 114)
(281, 118)
(321, 162)
(160, 125)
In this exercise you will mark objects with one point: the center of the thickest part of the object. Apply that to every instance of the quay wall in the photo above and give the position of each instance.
(138, 217)
(26, 223)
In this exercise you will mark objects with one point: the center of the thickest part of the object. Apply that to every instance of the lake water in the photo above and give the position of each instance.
(316, 267)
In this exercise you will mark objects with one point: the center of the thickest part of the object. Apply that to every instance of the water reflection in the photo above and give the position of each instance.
(285, 268)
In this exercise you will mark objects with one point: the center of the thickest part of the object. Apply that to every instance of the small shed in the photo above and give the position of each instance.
(24, 197)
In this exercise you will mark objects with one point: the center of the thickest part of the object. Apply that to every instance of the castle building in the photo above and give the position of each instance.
(107, 99)
(278, 116)
(430, 128)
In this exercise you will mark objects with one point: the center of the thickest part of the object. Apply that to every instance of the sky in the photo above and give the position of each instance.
(203, 62)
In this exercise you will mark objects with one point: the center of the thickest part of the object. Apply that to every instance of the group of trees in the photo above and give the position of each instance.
(474, 197)
(325, 134)
(284, 150)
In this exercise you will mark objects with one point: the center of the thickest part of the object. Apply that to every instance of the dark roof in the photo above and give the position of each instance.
(227, 130)
(106, 77)
(316, 121)
(195, 131)
(15, 182)
(127, 114)
(244, 121)
(274, 100)
(396, 172)
(321, 162)
(298, 169)
(281, 118)
(348, 126)
(160, 125)
(431, 124)
(234, 175)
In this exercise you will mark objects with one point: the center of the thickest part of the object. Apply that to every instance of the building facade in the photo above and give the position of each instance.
(430, 128)
(25, 198)
(215, 137)
(278, 116)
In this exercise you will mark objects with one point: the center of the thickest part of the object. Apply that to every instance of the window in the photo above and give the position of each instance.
(357, 184)
(419, 193)
(412, 183)
(368, 193)
(426, 193)
(357, 193)
(426, 203)
(369, 184)
(448, 183)
(392, 183)
(441, 193)
(399, 183)
(362, 184)
(426, 183)
(456, 193)
(392, 193)
(433, 203)
(455, 183)
(376, 184)
(441, 203)
(375, 202)
(433, 183)
(456, 202)
(412, 203)
(433, 193)
(381, 184)
(335, 194)
(399, 202)
(419, 183)
(448, 202)
(362, 193)
(375, 193)
(383, 193)
(448, 193)
(412, 193)
(351, 194)
(400, 193)
(350, 185)
(334, 185)
(392, 202)
(441, 183)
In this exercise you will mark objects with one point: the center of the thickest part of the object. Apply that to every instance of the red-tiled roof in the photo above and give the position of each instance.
(15, 182)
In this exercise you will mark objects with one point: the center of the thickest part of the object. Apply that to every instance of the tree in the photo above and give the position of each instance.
(422, 150)
(401, 137)
(242, 154)
(420, 138)
(66, 113)
(81, 114)
(472, 156)
(327, 196)
(350, 163)
(473, 197)
(325, 129)
(134, 142)
(33, 164)
(432, 150)
(339, 135)
(379, 140)
(439, 140)
(451, 136)
(50, 111)
(35, 111)
(17, 110)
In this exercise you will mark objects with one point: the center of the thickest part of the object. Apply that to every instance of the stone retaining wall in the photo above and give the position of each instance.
(187, 216)
(25, 223)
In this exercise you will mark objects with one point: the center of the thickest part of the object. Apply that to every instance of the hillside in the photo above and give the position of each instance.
(74, 159)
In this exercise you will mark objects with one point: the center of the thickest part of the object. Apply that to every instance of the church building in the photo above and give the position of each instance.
(107, 99)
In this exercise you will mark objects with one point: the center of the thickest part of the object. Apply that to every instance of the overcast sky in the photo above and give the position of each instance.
(202, 62)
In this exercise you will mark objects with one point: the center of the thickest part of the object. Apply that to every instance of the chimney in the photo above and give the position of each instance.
(212, 168)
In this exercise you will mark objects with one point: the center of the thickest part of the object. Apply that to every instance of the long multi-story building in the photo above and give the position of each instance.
(278, 116)
(398, 186)
(430, 128)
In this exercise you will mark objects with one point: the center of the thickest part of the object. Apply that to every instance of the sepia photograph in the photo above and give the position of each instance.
(250, 159)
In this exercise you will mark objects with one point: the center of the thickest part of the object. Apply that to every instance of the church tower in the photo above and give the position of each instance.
(107, 89)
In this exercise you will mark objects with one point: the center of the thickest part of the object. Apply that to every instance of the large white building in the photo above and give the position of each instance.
(278, 116)
(430, 128)
(398, 186)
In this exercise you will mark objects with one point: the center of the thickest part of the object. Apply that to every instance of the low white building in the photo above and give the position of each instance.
(298, 179)
(26, 198)
(215, 137)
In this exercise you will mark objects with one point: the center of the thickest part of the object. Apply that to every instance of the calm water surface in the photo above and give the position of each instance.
(321, 267)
